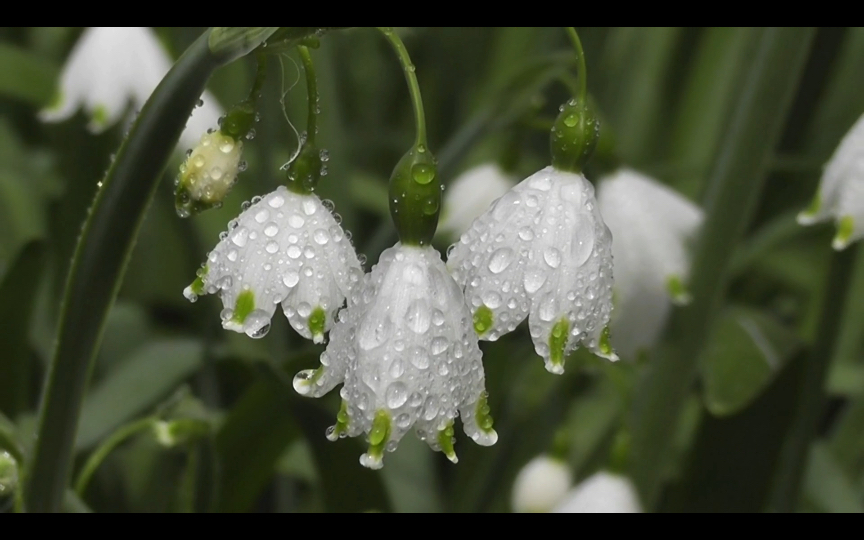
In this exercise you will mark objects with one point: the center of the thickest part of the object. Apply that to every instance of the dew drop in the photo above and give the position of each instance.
(276, 201)
(500, 260)
(419, 317)
(321, 237)
(534, 279)
(296, 221)
(291, 278)
(272, 247)
(396, 395)
(422, 173)
(439, 345)
(552, 257)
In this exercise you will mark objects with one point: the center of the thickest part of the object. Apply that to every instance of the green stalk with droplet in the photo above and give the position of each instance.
(415, 188)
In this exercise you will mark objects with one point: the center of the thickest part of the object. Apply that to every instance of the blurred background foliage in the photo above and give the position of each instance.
(667, 96)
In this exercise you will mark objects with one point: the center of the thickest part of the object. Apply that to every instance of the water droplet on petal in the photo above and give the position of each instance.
(396, 395)
(321, 237)
(534, 279)
(500, 260)
(419, 317)
(291, 278)
(552, 257)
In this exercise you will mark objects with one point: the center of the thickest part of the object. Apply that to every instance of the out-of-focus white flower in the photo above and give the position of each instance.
(541, 485)
(652, 227)
(541, 249)
(470, 195)
(841, 192)
(113, 67)
(284, 248)
(409, 357)
(603, 493)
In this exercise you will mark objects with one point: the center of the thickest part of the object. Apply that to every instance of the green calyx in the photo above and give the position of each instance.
(415, 197)
(483, 320)
(317, 322)
(379, 434)
(341, 428)
(484, 414)
(845, 230)
(174, 433)
(197, 286)
(305, 171)
(558, 342)
(574, 136)
(678, 291)
(244, 305)
(445, 440)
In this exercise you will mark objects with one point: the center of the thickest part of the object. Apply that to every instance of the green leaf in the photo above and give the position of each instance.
(17, 298)
(746, 351)
(136, 385)
(735, 188)
(26, 76)
(100, 260)
(250, 442)
(826, 486)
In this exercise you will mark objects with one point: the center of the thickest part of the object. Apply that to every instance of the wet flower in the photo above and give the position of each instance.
(652, 227)
(111, 68)
(542, 249)
(471, 194)
(541, 485)
(284, 248)
(603, 493)
(409, 358)
(209, 172)
(841, 191)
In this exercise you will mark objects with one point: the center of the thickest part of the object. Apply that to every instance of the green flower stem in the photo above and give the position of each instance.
(810, 405)
(115, 440)
(580, 59)
(735, 188)
(100, 261)
(311, 93)
(413, 85)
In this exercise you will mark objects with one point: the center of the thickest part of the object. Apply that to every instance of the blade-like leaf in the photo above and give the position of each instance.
(135, 386)
(744, 354)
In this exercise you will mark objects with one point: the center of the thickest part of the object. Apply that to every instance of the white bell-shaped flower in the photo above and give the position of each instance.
(603, 493)
(113, 67)
(471, 194)
(841, 191)
(541, 485)
(652, 227)
(409, 357)
(542, 249)
(284, 248)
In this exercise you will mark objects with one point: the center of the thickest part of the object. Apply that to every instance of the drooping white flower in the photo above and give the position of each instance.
(541, 485)
(603, 493)
(542, 249)
(652, 227)
(285, 248)
(841, 191)
(471, 194)
(409, 357)
(111, 68)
